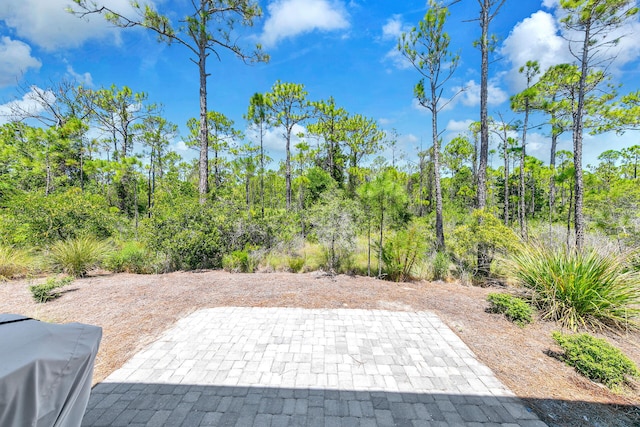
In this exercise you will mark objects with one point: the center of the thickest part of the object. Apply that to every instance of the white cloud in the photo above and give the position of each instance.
(459, 125)
(15, 60)
(543, 38)
(274, 140)
(398, 60)
(536, 38)
(30, 103)
(393, 28)
(181, 146)
(48, 25)
(385, 121)
(289, 18)
(82, 78)
(470, 95)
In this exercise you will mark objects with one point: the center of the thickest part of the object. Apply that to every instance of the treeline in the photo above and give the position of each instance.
(99, 163)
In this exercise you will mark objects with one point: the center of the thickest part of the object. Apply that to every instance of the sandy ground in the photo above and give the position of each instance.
(134, 310)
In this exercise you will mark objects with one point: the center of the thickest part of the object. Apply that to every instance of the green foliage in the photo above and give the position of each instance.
(194, 236)
(296, 264)
(35, 219)
(132, 257)
(515, 309)
(45, 291)
(440, 265)
(238, 262)
(334, 224)
(580, 288)
(596, 359)
(77, 256)
(482, 229)
(14, 262)
(403, 249)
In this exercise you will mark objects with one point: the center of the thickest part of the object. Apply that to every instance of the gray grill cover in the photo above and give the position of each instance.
(45, 371)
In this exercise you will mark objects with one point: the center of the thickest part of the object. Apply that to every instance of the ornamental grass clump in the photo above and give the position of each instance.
(580, 288)
(76, 257)
(14, 262)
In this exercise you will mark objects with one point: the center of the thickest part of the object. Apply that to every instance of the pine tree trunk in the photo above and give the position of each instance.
(440, 246)
(203, 164)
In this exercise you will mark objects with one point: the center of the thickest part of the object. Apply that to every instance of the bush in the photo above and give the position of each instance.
(440, 266)
(131, 258)
(596, 359)
(35, 219)
(77, 256)
(580, 289)
(44, 291)
(515, 309)
(403, 250)
(296, 264)
(14, 263)
(194, 236)
(484, 231)
(238, 262)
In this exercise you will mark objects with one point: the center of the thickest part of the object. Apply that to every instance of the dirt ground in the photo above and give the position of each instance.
(134, 310)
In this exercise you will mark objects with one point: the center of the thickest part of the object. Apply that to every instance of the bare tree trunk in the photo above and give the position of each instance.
(552, 179)
(440, 246)
(288, 170)
(203, 164)
(483, 261)
(522, 214)
(578, 128)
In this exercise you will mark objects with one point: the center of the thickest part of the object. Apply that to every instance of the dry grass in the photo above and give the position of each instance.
(134, 310)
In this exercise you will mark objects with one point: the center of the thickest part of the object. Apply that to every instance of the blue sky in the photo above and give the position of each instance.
(339, 48)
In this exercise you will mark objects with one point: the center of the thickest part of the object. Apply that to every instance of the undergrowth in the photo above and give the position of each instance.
(515, 309)
(596, 359)
(45, 291)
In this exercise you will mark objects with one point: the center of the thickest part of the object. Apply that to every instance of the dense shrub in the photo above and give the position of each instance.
(580, 289)
(440, 265)
(334, 224)
(132, 257)
(515, 309)
(45, 291)
(36, 219)
(596, 359)
(403, 249)
(481, 230)
(77, 256)
(13, 262)
(238, 262)
(193, 236)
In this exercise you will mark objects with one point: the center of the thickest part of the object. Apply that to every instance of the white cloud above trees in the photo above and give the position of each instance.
(48, 25)
(15, 60)
(290, 18)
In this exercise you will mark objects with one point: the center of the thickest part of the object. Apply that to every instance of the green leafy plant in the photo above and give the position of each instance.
(596, 359)
(481, 230)
(515, 309)
(295, 264)
(238, 262)
(77, 256)
(13, 262)
(131, 258)
(580, 289)
(403, 249)
(45, 291)
(440, 265)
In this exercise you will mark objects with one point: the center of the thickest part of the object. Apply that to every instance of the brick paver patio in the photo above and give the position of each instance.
(233, 366)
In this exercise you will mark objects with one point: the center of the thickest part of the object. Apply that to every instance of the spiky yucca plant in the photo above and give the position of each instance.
(580, 288)
(77, 256)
